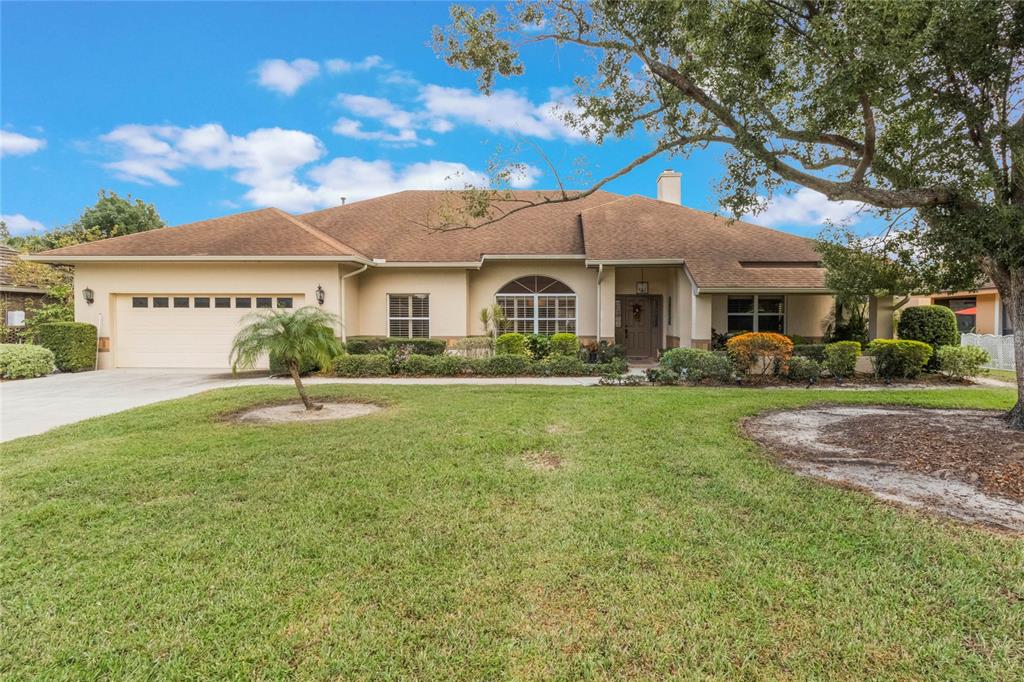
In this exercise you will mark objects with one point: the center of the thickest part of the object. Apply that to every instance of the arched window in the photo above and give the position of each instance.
(538, 305)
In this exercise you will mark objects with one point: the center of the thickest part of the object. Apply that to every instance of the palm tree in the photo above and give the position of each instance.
(294, 337)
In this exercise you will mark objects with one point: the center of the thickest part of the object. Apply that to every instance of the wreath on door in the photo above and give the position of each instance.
(638, 309)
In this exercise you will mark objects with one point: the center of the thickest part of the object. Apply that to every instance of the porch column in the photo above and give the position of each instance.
(700, 331)
(606, 305)
(881, 323)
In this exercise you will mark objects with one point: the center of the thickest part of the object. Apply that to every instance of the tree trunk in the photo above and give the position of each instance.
(1015, 303)
(293, 369)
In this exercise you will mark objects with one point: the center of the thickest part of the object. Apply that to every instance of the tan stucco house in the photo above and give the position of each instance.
(981, 311)
(650, 274)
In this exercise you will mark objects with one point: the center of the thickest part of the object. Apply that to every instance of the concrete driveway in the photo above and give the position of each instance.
(31, 406)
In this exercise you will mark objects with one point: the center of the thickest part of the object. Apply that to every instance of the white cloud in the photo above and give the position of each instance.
(287, 77)
(16, 144)
(345, 66)
(805, 208)
(275, 165)
(19, 224)
(522, 176)
(347, 127)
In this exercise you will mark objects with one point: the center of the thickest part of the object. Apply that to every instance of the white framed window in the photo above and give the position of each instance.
(538, 305)
(409, 315)
(15, 318)
(757, 313)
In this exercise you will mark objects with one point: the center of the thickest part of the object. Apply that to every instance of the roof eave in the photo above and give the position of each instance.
(71, 259)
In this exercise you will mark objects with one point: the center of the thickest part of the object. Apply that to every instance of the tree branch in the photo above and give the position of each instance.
(869, 142)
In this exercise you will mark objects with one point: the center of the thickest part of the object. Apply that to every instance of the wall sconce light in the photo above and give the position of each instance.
(321, 295)
(88, 295)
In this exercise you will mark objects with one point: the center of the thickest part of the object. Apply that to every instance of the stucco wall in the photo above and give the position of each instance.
(446, 286)
(107, 280)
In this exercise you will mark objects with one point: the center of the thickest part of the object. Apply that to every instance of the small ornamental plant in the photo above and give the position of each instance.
(760, 353)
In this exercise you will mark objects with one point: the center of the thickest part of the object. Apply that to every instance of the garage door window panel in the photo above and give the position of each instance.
(243, 302)
(161, 302)
(202, 302)
(140, 302)
(181, 301)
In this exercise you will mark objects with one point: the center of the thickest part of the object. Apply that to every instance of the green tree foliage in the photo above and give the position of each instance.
(292, 338)
(111, 216)
(911, 108)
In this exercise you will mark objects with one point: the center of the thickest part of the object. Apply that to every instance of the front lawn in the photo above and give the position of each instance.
(481, 533)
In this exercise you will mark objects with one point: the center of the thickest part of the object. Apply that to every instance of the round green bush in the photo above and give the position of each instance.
(564, 343)
(511, 343)
(73, 344)
(931, 324)
(538, 345)
(841, 358)
(960, 362)
(25, 361)
(696, 364)
(802, 369)
(899, 358)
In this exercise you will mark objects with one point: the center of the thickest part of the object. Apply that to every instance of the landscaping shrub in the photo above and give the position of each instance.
(511, 343)
(899, 358)
(663, 376)
(841, 358)
(538, 345)
(565, 343)
(502, 365)
(363, 345)
(799, 341)
(602, 352)
(760, 352)
(25, 361)
(695, 364)
(277, 367)
(433, 365)
(373, 365)
(73, 344)
(802, 368)
(960, 362)
(931, 324)
(557, 365)
(814, 351)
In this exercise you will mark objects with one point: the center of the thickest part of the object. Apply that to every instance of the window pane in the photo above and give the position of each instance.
(567, 306)
(741, 304)
(398, 306)
(741, 323)
(547, 326)
(421, 328)
(524, 326)
(284, 302)
(140, 302)
(202, 302)
(398, 328)
(770, 304)
(264, 302)
(181, 301)
(243, 302)
(160, 302)
(15, 318)
(507, 304)
(770, 323)
(546, 306)
(222, 302)
(421, 306)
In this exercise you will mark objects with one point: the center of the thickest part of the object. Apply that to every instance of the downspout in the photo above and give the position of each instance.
(600, 276)
(344, 322)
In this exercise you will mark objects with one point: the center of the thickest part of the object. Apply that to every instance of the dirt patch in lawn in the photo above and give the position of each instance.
(297, 413)
(967, 464)
(542, 460)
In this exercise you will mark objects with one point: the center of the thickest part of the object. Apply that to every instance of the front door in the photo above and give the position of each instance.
(640, 328)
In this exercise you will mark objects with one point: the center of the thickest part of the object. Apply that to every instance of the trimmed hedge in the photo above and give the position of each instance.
(73, 344)
(899, 358)
(814, 351)
(565, 343)
(365, 345)
(25, 361)
(931, 324)
(960, 362)
(695, 364)
(760, 352)
(561, 365)
(433, 365)
(511, 343)
(802, 368)
(841, 358)
(362, 365)
(502, 365)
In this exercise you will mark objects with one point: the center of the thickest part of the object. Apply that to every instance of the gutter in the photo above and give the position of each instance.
(600, 276)
(344, 325)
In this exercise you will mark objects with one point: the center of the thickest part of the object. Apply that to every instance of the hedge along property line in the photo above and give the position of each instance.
(365, 345)
(378, 365)
(73, 344)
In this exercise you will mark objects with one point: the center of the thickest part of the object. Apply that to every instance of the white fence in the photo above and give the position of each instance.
(999, 347)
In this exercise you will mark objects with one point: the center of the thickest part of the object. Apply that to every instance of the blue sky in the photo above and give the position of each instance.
(207, 109)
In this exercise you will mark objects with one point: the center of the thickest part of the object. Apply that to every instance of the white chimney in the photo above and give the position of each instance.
(670, 187)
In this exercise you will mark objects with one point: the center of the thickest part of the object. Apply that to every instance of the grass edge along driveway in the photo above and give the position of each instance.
(422, 542)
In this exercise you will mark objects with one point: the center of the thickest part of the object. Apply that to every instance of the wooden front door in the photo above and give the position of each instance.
(641, 329)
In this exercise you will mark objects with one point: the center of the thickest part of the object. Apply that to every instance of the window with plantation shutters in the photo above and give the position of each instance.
(537, 305)
(409, 315)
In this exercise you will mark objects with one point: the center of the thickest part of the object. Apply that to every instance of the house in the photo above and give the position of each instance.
(650, 274)
(981, 311)
(16, 298)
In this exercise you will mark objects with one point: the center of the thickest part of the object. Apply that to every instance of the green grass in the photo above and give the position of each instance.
(164, 543)
(1002, 375)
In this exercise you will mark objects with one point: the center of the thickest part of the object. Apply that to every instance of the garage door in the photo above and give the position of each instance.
(168, 330)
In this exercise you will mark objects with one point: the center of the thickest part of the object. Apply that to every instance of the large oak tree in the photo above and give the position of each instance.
(899, 104)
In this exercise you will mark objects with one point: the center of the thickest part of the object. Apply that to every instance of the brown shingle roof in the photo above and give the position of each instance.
(266, 232)
(719, 253)
(602, 227)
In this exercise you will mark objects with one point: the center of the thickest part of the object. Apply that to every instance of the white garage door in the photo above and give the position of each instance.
(168, 330)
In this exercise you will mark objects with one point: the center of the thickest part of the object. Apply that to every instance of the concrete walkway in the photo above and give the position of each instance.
(32, 406)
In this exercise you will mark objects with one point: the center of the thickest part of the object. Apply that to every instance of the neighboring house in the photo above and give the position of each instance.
(16, 301)
(980, 312)
(647, 273)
